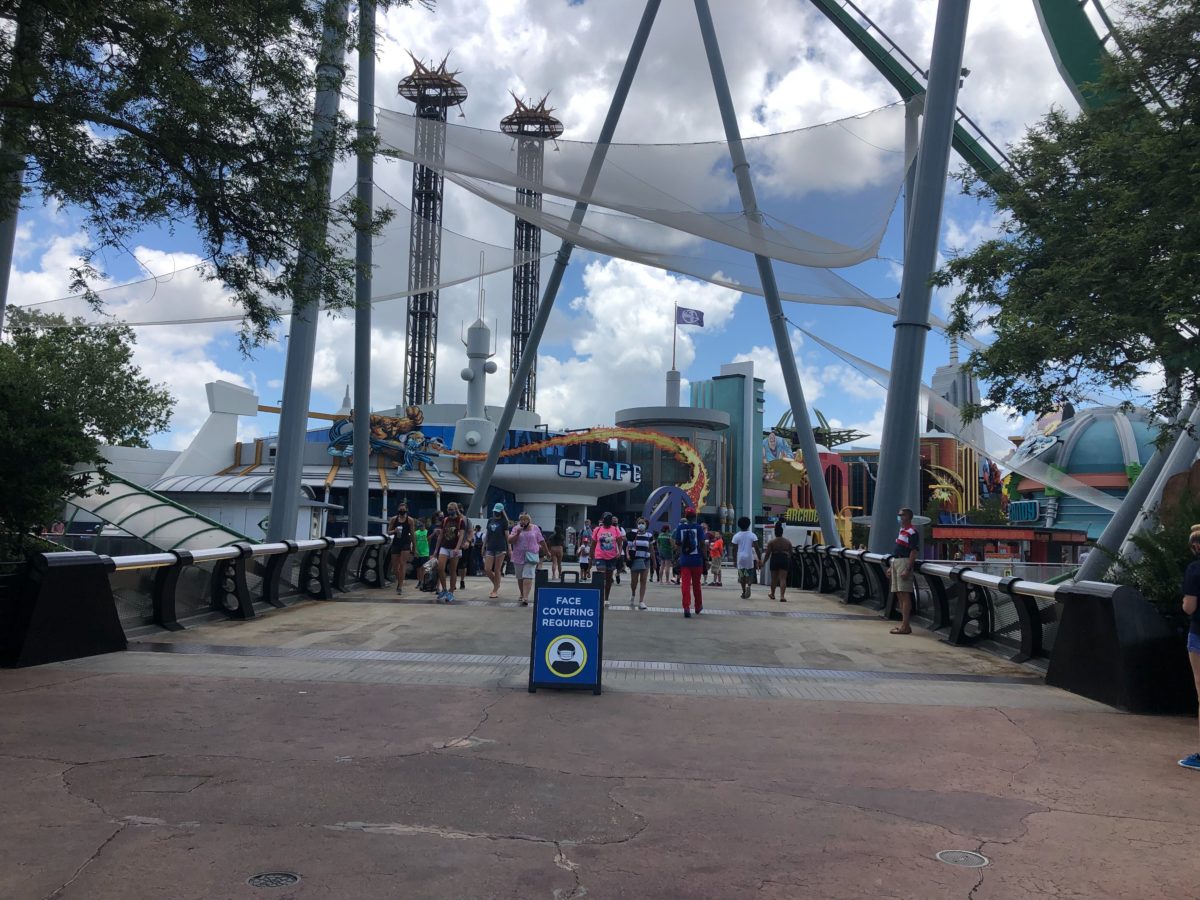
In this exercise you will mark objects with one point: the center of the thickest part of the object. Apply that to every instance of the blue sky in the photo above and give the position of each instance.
(609, 338)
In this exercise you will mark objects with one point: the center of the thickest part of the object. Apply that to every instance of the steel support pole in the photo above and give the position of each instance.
(360, 484)
(8, 240)
(1180, 458)
(912, 144)
(26, 38)
(1121, 525)
(563, 257)
(766, 274)
(302, 334)
(912, 322)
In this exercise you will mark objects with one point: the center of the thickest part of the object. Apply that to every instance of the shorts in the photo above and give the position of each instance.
(901, 583)
(605, 565)
(780, 562)
(453, 554)
(639, 565)
(528, 571)
(746, 575)
(1193, 642)
(492, 554)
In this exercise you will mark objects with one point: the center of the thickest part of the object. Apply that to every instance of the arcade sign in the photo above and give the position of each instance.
(573, 468)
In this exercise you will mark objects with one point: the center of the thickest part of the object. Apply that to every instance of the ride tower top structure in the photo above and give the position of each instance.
(531, 125)
(433, 90)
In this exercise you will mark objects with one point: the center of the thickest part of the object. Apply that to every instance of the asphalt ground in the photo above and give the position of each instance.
(390, 749)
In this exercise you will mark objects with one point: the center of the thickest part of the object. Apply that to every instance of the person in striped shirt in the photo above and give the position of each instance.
(638, 547)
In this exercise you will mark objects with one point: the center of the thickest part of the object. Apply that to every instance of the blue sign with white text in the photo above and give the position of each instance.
(567, 646)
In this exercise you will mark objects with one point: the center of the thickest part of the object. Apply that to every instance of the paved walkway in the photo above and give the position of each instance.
(384, 749)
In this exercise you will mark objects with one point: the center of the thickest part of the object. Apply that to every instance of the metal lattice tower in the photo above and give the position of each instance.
(434, 90)
(532, 126)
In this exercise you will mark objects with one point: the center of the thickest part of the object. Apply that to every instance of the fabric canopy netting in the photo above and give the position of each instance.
(144, 302)
(622, 236)
(945, 416)
(842, 179)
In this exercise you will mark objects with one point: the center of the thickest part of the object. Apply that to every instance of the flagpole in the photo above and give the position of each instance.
(674, 335)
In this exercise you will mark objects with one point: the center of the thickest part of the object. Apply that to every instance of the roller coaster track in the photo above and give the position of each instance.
(976, 148)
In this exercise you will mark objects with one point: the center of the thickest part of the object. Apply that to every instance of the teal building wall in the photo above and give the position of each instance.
(739, 394)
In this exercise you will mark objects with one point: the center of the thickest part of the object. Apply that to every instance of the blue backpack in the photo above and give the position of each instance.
(689, 541)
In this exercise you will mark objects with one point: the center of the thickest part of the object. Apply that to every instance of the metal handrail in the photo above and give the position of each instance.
(143, 561)
(1036, 589)
(216, 554)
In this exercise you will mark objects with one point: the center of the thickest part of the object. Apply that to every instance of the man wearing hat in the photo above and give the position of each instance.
(495, 547)
(689, 543)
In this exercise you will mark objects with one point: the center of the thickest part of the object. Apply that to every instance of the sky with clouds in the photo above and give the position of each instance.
(609, 340)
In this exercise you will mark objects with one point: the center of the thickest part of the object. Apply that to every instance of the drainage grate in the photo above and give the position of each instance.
(272, 879)
(968, 858)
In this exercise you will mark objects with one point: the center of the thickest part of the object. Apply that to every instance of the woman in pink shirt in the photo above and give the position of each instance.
(528, 545)
(607, 545)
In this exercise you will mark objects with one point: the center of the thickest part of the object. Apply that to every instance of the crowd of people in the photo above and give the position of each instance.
(443, 549)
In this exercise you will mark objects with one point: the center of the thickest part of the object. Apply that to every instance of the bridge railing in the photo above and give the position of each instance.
(1104, 641)
(76, 604)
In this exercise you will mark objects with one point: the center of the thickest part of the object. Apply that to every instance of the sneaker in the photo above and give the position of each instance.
(699, 609)
(632, 603)
(642, 606)
(1191, 762)
(687, 613)
(449, 597)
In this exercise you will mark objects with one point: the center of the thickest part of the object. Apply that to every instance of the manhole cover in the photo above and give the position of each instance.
(968, 858)
(272, 879)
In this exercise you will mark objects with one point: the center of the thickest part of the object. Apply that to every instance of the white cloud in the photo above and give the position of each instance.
(788, 66)
(622, 341)
(817, 381)
(181, 357)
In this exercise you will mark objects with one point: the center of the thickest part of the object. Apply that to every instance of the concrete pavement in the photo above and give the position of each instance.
(313, 741)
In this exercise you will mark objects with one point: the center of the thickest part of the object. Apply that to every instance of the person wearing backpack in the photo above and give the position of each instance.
(689, 540)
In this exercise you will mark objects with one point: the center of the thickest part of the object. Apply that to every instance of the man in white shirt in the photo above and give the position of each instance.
(748, 558)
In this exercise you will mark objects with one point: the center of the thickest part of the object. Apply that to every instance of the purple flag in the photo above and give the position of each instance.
(685, 316)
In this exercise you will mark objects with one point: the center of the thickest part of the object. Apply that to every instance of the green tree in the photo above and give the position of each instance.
(64, 391)
(1165, 553)
(1092, 283)
(990, 512)
(178, 113)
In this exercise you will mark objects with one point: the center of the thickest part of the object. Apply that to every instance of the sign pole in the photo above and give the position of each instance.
(674, 334)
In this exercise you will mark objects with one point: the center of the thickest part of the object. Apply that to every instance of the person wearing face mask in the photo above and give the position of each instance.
(495, 547)
(450, 543)
(607, 546)
(402, 529)
(639, 549)
(528, 547)
(904, 561)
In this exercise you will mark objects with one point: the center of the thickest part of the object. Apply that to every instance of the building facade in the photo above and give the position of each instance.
(739, 394)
